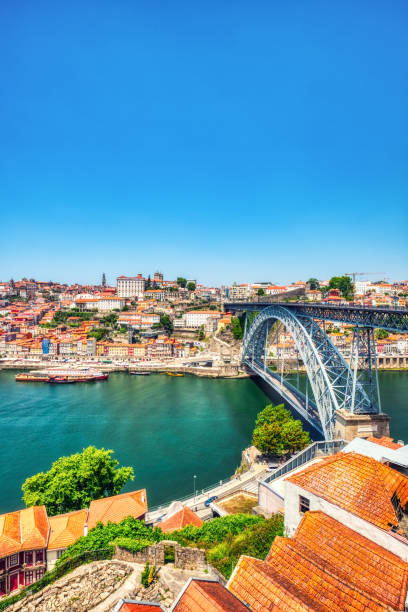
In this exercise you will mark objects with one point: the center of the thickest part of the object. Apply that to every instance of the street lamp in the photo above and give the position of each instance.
(194, 488)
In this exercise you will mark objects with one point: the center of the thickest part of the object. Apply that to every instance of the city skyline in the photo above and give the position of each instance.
(265, 141)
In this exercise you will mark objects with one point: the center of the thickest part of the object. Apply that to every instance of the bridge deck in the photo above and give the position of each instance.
(391, 319)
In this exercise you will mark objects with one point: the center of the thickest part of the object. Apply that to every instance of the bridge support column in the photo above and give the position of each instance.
(349, 426)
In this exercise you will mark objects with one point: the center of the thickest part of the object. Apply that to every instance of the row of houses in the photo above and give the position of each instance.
(31, 542)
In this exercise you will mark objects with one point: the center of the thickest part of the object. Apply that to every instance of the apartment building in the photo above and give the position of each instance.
(131, 286)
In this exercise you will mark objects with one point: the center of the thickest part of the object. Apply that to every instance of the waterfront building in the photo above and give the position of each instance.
(131, 286)
(23, 544)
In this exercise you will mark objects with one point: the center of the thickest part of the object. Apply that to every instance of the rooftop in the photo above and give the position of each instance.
(23, 530)
(359, 484)
(180, 519)
(207, 596)
(117, 507)
(66, 528)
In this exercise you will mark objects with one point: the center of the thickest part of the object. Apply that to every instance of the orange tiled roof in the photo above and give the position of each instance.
(66, 528)
(118, 507)
(349, 556)
(23, 530)
(207, 596)
(180, 519)
(137, 606)
(359, 484)
(385, 441)
(294, 584)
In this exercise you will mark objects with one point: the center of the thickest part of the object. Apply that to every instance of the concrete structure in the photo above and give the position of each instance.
(348, 426)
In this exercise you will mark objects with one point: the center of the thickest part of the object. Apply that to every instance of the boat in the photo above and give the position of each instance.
(139, 373)
(62, 376)
(174, 374)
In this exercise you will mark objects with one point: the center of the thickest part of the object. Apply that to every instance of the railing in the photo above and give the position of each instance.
(328, 447)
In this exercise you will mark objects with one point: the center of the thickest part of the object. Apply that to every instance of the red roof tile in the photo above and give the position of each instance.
(293, 583)
(349, 556)
(66, 528)
(180, 519)
(385, 441)
(117, 507)
(208, 596)
(359, 484)
(23, 530)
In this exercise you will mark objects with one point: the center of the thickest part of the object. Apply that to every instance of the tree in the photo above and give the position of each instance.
(110, 319)
(167, 323)
(293, 437)
(273, 414)
(149, 282)
(182, 282)
(261, 291)
(268, 439)
(201, 334)
(125, 308)
(237, 330)
(381, 334)
(74, 481)
(343, 284)
(191, 286)
(276, 432)
(314, 284)
(103, 280)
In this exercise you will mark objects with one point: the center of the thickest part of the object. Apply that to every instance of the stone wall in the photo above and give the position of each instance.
(184, 557)
(79, 591)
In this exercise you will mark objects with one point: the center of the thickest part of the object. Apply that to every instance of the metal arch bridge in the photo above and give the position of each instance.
(334, 384)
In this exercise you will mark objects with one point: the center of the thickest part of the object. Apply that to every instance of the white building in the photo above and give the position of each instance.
(130, 286)
(195, 318)
(110, 303)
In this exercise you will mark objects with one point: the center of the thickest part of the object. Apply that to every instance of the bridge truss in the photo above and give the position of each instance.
(334, 385)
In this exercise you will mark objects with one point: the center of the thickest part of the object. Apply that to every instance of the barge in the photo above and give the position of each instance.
(61, 376)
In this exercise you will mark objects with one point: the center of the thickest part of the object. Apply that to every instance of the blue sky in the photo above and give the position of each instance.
(221, 140)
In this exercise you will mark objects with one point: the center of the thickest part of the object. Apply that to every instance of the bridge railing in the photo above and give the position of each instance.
(322, 447)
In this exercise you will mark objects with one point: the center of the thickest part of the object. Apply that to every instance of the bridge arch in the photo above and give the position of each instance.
(330, 377)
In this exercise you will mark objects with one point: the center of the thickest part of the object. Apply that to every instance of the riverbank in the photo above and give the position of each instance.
(230, 371)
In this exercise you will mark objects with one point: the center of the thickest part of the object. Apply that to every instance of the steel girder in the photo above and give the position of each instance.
(391, 319)
(327, 370)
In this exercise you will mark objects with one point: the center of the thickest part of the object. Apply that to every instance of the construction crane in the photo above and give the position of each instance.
(354, 274)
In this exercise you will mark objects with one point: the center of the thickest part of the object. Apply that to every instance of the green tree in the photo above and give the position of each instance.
(343, 284)
(381, 334)
(166, 323)
(294, 438)
(110, 319)
(201, 334)
(182, 282)
(276, 432)
(74, 481)
(314, 284)
(261, 291)
(191, 286)
(268, 439)
(273, 414)
(125, 308)
(237, 330)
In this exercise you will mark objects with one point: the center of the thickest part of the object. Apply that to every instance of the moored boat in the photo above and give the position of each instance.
(139, 373)
(62, 376)
(174, 374)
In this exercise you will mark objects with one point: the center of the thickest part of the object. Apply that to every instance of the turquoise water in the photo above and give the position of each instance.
(167, 428)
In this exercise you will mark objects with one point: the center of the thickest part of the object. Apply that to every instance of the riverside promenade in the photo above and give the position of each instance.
(247, 481)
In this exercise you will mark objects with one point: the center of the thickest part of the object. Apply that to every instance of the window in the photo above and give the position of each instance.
(13, 560)
(28, 557)
(29, 578)
(60, 553)
(39, 574)
(304, 504)
(39, 556)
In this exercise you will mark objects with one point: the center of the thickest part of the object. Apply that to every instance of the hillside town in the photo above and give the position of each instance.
(151, 321)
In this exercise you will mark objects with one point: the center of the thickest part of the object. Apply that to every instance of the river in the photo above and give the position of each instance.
(168, 429)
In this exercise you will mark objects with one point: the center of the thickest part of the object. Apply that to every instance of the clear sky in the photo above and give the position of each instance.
(223, 140)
